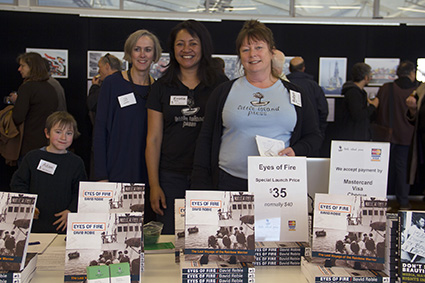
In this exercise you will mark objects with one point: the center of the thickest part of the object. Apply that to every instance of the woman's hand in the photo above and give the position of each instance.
(157, 200)
(63, 219)
(287, 152)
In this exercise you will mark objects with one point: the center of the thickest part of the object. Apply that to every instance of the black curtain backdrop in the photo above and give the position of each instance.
(81, 34)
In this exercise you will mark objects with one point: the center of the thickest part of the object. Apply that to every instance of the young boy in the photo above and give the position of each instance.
(53, 173)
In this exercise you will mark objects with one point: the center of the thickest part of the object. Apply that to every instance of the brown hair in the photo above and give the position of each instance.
(253, 30)
(37, 65)
(132, 40)
(64, 119)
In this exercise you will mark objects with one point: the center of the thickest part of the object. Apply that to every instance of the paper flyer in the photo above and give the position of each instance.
(17, 211)
(269, 147)
(219, 226)
(359, 168)
(103, 238)
(350, 230)
(280, 188)
(111, 197)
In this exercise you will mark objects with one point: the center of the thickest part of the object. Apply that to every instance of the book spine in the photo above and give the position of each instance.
(277, 263)
(246, 280)
(219, 270)
(365, 279)
(217, 275)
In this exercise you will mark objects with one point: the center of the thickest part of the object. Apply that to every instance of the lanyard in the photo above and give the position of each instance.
(133, 85)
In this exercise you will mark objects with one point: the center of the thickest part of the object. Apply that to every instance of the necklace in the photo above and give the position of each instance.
(133, 85)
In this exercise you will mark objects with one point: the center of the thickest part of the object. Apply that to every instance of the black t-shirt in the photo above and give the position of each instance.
(183, 113)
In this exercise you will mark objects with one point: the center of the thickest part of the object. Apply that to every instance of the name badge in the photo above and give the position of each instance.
(295, 98)
(46, 167)
(127, 100)
(178, 100)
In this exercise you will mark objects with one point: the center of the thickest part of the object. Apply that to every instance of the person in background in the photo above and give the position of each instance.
(416, 116)
(220, 64)
(391, 113)
(54, 174)
(108, 65)
(176, 108)
(314, 92)
(121, 119)
(358, 110)
(258, 103)
(58, 88)
(278, 62)
(35, 100)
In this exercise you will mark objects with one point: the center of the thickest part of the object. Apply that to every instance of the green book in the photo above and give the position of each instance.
(98, 274)
(120, 272)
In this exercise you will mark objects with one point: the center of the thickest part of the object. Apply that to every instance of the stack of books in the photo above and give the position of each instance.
(23, 276)
(108, 229)
(279, 253)
(219, 239)
(392, 255)
(315, 273)
(194, 272)
(411, 246)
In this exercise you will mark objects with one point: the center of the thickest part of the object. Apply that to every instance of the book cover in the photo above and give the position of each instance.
(24, 275)
(316, 272)
(98, 274)
(120, 272)
(412, 245)
(16, 215)
(219, 226)
(179, 223)
(350, 231)
(111, 197)
(103, 238)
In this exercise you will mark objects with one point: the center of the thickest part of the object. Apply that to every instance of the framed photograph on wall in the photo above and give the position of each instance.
(58, 60)
(158, 68)
(420, 73)
(383, 70)
(286, 64)
(332, 74)
(94, 56)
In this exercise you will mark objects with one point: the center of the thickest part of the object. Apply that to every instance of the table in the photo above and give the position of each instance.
(159, 268)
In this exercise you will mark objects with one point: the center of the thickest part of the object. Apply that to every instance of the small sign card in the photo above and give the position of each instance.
(280, 188)
(359, 168)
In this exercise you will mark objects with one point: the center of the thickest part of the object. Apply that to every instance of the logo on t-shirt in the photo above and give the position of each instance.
(259, 96)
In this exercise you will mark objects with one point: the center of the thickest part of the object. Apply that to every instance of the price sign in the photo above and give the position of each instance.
(280, 188)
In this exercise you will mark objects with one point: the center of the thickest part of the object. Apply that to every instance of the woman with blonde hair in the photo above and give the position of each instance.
(121, 118)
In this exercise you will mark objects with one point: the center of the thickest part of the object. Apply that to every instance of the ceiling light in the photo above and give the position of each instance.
(309, 6)
(411, 10)
(345, 7)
